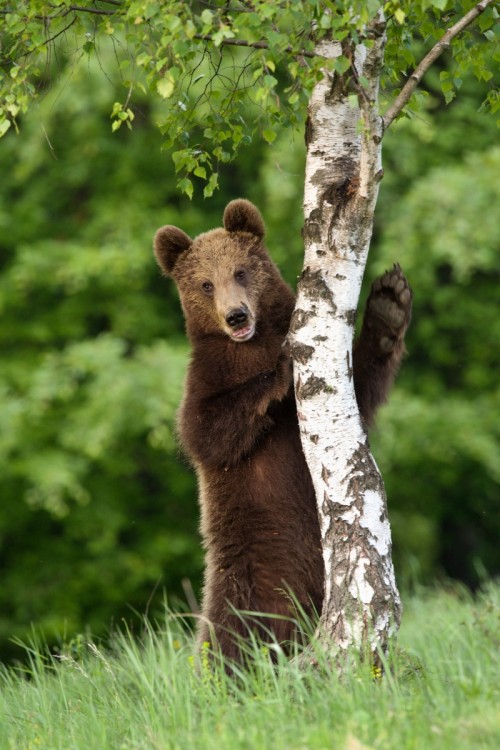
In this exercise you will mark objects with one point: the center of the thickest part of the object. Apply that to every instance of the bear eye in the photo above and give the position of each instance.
(240, 275)
(207, 287)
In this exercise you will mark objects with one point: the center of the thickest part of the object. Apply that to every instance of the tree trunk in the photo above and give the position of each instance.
(343, 170)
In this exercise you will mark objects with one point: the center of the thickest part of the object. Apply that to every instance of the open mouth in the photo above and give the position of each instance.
(243, 334)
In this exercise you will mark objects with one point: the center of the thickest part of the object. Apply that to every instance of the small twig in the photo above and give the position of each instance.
(411, 84)
(6, 61)
(52, 149)
(129, 96)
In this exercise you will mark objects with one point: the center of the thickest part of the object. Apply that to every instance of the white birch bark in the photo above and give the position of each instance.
(343, 170)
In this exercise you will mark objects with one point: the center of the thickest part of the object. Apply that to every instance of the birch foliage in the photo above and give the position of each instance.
(227, 72)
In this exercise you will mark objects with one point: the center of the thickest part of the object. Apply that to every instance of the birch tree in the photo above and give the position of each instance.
(344, 134)
(235, 70)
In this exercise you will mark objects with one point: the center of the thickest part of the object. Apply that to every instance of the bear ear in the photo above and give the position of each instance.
(169, 243)
(242, 216)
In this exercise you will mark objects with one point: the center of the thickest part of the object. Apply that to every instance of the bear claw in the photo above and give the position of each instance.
(388, 309)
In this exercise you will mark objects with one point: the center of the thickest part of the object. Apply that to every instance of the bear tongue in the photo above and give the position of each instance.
(247, 331)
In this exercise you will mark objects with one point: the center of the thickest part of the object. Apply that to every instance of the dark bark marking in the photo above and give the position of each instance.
(316, 288)
(309, 131)
(312, 386)
(311, 231)
(336, 192)
(314, 439)
(349, 365)
(338, 88)
(363, 468)
(302, 353)
(342, 84)
(350, 317)
(339, 194)
(299, 319)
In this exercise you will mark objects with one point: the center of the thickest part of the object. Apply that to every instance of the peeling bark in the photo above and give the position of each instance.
(343, 170)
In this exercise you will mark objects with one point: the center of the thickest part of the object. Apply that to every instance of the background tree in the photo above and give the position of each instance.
(193, 161)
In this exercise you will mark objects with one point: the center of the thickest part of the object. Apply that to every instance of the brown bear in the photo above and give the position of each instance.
(238, 423)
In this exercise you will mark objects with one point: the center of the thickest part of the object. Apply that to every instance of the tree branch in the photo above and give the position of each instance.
(255, 45)
(411, 84)
(65, 11)
(95, 11)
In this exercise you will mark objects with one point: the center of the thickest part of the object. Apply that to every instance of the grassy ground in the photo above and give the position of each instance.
(442, 692)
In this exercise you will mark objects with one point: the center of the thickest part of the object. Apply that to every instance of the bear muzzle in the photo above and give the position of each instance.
(240, 322)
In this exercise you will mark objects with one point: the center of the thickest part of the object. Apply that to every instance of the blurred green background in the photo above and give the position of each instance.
(98, 512)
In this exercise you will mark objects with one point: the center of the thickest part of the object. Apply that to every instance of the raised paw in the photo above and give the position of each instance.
(388, 309)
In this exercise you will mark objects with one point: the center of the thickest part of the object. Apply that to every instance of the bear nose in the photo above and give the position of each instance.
(236, 317)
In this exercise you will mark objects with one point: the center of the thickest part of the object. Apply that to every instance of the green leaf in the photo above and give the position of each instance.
(439, 4)
(223, 33)
(269, 135)
(212, 184)
(486, 20)
(186, 186)
(4, 126)
(143, 60)
(270, 81)
(189, 29)
(165, 87)
(341, 64)
(207, 17)
(353, 101)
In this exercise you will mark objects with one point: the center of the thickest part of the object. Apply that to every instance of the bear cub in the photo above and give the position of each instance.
(238, 423)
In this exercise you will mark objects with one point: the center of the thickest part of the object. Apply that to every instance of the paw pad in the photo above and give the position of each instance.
(388, 309)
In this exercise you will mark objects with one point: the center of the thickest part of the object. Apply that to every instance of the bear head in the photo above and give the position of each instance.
(224, 276)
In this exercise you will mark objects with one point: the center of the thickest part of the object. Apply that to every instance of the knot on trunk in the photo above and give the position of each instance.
(340, 194)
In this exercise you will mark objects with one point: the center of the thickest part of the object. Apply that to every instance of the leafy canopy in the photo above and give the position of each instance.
(225, 70)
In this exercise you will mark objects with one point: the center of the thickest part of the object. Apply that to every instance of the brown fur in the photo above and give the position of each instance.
(238, 422)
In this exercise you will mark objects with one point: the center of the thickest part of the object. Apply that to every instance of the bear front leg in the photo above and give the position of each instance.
(380, 347)
(280, 381)
(220, 430)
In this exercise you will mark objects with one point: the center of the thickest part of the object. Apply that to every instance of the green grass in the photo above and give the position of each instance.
(443, 691)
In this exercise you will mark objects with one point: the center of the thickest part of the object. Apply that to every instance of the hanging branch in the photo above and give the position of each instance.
(411, 84)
